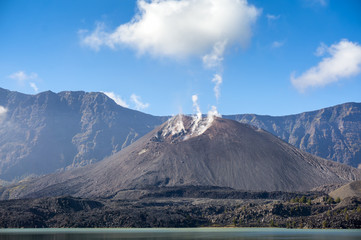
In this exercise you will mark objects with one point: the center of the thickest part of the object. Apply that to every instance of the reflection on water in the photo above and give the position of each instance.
(177, 234)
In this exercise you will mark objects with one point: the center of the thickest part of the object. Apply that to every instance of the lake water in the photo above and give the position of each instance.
(177, 234)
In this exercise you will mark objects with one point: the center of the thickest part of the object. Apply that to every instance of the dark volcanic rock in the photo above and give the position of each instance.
(180, 212)
(226, 154)
(333, 133)
(42, 133)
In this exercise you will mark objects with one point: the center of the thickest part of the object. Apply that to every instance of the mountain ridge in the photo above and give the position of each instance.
(333, 133)
(81, 128)
(49, 131)
(226, 154)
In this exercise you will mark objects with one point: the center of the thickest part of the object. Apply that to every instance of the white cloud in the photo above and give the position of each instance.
(181, 28)
(217, 79)
(139, 105)
(344, 61)
(23, 79)
(34, 87)
(3, 112)
(117, 99)
(321, 50)
(21, 76)
(277, 44)
(271, 17)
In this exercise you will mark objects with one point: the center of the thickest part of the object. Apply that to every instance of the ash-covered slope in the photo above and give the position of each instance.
(352, 189)
(333, 133)
(42, 133)
(204, 152)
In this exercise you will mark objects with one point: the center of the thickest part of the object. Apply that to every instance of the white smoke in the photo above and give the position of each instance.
(213, 113)
(174, 126)
(215, 58)
(217, 79)
(199, 124)
(196, 106)
(198, 116)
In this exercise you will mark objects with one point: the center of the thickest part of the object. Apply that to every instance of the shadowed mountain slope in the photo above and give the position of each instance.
(333, 133)
(185, 151)
(42, 133)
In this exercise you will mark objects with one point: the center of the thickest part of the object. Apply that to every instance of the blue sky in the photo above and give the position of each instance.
(272, 57)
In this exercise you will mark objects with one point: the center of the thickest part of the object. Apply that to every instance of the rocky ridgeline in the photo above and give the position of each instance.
(43, 133)
(48, 132)
(333, 133)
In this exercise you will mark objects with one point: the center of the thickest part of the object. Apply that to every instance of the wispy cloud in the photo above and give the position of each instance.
(321, 50)
(278, 44)
(272, 18)
(117, 99)
(180, 29)
(21, 76)
(139, 105)
(23, 79)
(344, 61)
(34, 87)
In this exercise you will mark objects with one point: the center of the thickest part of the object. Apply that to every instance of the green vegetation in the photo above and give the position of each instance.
(328, 213)
(324, 224)
(302, 199)
(272, 223)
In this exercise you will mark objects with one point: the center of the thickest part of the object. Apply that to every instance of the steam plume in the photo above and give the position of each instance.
(217, 79)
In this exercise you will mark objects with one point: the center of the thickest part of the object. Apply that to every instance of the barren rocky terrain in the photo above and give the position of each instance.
(186, 207)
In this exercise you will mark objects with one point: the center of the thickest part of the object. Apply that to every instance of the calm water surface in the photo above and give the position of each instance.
(177, 234)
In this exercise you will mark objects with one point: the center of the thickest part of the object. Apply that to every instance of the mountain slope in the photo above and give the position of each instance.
(333, 133)
(186, 151)
(46, 132)
(352, 189)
